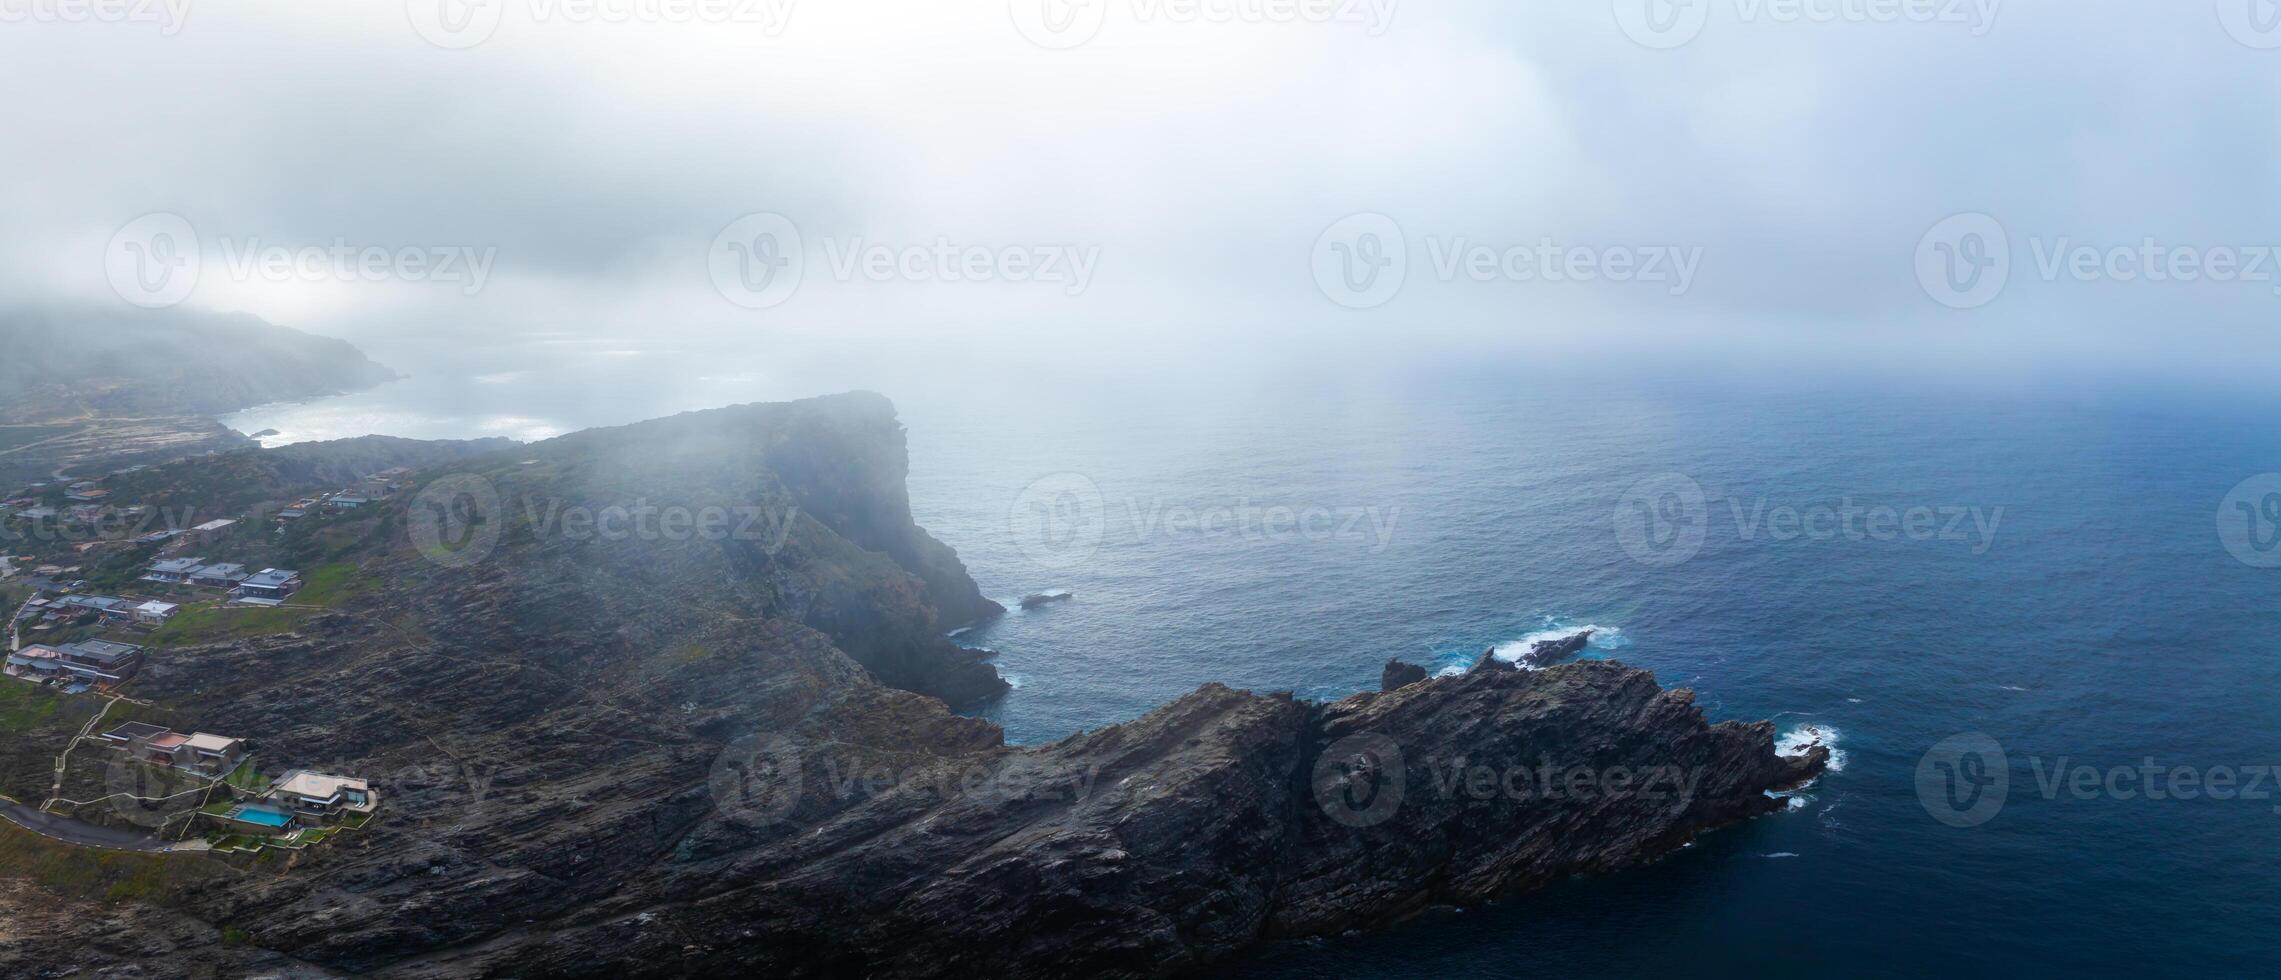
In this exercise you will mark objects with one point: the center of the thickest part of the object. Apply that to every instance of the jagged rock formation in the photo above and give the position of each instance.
(665, 756)
(1398, 675)
(1545, 653)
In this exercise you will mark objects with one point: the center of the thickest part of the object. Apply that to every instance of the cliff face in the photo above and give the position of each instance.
(848, 469)
(657, 756)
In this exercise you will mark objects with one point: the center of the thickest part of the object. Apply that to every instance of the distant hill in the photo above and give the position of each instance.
(65, 364)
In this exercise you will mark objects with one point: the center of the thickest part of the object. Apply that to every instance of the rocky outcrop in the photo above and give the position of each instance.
(1545, 653)
(1398, 675)
(1163, 846)
(657, 756)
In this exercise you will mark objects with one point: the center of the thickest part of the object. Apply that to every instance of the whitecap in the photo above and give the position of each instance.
(2010, 687)
(1797, 740)
(1780, 854)
(1603, 638)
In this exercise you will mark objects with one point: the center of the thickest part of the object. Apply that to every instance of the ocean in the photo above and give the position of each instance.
(1943, 584)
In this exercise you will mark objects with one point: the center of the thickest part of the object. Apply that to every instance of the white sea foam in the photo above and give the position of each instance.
(1603, 638)
(1797, 740)
(1780, 854)
(2010, 687)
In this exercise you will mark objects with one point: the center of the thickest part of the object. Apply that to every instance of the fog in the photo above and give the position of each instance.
(1163, 188)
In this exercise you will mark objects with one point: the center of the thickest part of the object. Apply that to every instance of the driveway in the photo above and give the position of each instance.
(77, 832)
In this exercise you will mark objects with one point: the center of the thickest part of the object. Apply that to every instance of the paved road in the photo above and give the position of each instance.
(76, 832)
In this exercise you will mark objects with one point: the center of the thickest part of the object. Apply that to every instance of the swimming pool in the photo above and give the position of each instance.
(261, 816)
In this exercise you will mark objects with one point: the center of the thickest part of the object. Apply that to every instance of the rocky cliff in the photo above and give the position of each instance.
(654, 753)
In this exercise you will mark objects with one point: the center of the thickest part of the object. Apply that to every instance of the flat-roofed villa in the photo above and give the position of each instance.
(155, 613)
(176, 570)
(207, 754)
(222, 576)
(134, 731)
(208, 531)
(272, 584)
(316, 798)
(36, 662)
(101, 661)
(109, 607)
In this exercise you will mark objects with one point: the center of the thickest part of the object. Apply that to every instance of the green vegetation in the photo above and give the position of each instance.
(233, 936)
(25, 706)
(245, 777)
(215, 624)
(112, 876)
(330, 585)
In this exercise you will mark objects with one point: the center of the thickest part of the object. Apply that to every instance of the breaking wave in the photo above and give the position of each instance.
(1797, 740)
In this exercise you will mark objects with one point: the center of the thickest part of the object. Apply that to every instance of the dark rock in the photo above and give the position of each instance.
(1545, 653)
(1398, 674)
(1038, 599)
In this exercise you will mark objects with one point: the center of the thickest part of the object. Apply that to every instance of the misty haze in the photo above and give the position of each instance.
(1139, 488)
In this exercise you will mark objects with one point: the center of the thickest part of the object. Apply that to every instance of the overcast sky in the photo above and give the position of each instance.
(1737, 178)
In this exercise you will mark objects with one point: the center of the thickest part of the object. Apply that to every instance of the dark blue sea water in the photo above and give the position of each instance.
(2071, 599)
(2084, 612)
